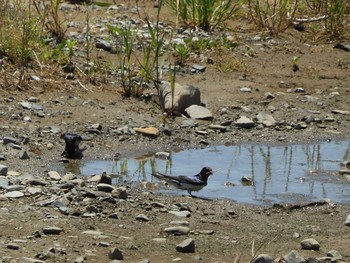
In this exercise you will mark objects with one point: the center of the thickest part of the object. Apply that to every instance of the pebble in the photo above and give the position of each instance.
(14, 194)
(52, 230)
(347, 221)
(310, 244)
(263, 258)
(186, 246)
(142, 217)
(244, 122)
(294, 257)
(3, 169)
(181, 213)
(105, 188)
(115, 253)
(199, 112)
(54, 175)
(177, 230)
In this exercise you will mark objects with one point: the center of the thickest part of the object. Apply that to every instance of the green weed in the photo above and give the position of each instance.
(206, 14)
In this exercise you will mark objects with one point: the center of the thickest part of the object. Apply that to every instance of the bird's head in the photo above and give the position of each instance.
(205, 173)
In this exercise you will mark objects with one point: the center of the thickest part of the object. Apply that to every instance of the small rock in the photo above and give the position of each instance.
(142, 217)
(181, 213)
(245, 89)
(244, 122)
(3, 169)
(24, 155)
(263, 258)
(177, 230)
(198, 68)
(12, 246)
(186, 246)
(334, 254)
(149, 131)
(54, 175)
(14, 194)
(266, 119)
(105, 188)
(294, 257)
(105, 179)
(120, 192)
(347, 221)
(115, 253)
(199, 112)
(310, 244)
(247, 180)
(52, 230)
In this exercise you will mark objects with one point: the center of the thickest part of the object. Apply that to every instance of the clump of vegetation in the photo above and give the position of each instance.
(274, 16)
(205, 14)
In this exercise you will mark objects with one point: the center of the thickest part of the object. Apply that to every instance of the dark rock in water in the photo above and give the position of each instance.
(72, 150)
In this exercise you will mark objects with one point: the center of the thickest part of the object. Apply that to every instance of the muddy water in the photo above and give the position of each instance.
(280, 174)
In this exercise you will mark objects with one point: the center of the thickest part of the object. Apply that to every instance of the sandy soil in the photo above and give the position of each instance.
(222, 230)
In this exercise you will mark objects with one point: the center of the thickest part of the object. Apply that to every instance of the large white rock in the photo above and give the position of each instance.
(184, 96)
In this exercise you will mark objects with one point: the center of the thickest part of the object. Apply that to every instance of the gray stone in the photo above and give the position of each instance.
(199, 112)
(347, 221)
(24, 155)
(27, 119)
(105, 179)
(115, 253)
(30, 260)
(187, 123)
(142, 217)
(14, 194)
(310, 244)
(294, 257)
(184, 96)
(218, 127)
(54, 175)
(177, 230)
(4, 182)
(244, 122)
(7, 140)
(266, 119)
(3, 169)
(34, 190)
(198, 68)
(186, 246)
(26, 105)
(183, 213)
(263, 258)
(334, 254)
(103, 44)
(245, 89)
(105, 188)
(120, 192)
(12, 246)
(343, 112)
(52, 230)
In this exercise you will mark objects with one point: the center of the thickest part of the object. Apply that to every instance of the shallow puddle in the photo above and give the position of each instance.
(281, 174)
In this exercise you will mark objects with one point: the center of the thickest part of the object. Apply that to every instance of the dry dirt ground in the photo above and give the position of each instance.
(234, 230)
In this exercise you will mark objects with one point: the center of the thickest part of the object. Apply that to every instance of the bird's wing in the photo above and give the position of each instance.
(194, 180)
(191, 180)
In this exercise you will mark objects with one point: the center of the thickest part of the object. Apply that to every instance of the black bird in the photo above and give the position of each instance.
(72, 150)
(189, 183)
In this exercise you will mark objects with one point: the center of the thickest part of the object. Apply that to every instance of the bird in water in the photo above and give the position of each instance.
(189, 183)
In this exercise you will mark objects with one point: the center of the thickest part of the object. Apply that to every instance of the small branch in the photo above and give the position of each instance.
(81, 84)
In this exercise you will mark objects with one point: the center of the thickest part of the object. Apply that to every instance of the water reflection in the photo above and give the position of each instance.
(291, 173)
